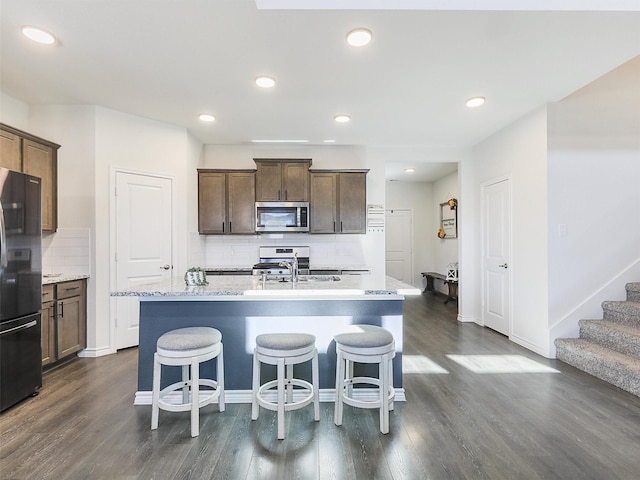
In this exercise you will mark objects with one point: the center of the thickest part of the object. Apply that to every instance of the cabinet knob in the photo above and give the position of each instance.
(165, 267)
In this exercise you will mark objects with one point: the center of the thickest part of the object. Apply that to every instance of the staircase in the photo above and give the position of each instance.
(609, 348)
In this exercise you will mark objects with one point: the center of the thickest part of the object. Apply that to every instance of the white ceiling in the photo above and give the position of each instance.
(170, 60)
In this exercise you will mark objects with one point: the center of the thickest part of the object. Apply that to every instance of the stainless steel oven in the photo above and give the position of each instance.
(282, 216)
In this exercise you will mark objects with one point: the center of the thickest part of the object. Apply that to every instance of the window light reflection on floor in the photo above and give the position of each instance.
(420, 364)
(501, 364)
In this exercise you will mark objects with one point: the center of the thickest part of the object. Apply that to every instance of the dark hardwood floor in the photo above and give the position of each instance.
(455, 424)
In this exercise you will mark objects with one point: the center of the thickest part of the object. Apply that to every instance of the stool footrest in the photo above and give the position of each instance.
(268, 387)
(365, 403)
(206, 396)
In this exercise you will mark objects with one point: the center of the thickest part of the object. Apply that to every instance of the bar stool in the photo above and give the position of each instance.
(188, 347)
(365, 344)
(285, 349)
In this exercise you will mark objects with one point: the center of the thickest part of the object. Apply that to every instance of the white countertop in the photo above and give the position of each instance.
(251, 287)
(51, 278)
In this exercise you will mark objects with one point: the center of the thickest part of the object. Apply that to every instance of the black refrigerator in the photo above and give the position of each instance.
(20, 287)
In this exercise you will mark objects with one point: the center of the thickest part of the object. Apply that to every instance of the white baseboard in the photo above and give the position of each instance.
(530, 346)
(467, 319)
(244, 396)
(95, 352)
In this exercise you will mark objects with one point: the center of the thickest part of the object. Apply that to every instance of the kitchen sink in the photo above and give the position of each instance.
(306, 278)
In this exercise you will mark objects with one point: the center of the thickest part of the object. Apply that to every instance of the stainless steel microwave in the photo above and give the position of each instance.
(282, 216)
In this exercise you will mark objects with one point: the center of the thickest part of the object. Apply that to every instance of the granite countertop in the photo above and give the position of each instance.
(251, 287)
(51, 278)
(238, 268)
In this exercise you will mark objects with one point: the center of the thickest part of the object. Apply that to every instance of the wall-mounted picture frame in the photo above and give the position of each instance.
(449, 220)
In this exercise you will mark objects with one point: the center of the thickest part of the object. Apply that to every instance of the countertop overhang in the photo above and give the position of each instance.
(244, 287)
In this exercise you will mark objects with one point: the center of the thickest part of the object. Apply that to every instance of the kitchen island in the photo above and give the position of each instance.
(242, 307)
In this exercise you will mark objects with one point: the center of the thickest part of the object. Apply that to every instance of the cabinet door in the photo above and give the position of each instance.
(70, 326)
(212, 215)
(323, 204)
(10, 155)
(269, 182)
(48, 341)
(241, 204)
(38, 160)
(352, 203)
(296, 181)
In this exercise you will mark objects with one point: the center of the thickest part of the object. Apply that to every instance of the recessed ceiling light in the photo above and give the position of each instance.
(342, 118)
(206, 117)
(359, 37)
(265, 81)
(475, 102)
(38, 35)
(409, 170)
(329, 141)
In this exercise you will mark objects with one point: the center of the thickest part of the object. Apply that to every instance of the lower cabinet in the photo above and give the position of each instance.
(64, 320)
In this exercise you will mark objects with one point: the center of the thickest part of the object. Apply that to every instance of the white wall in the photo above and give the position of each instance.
(14, 112)
(137, 144)
(519, 152)
(594, 208)
(445, 249)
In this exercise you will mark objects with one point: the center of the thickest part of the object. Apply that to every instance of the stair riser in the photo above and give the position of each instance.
(633, 292)
(623, 316)
(629, 345)
(626, 379)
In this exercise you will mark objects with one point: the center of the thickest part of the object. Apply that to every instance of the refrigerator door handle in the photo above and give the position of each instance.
(33, 323)
(3, 240)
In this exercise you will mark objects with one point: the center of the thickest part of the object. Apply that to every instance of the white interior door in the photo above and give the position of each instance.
(143, 243)
(398, 245)
(496, 253)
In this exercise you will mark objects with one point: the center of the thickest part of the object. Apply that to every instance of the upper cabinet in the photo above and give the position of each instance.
(338, 201)
(282, 180)
(23, 152)
(226, 201)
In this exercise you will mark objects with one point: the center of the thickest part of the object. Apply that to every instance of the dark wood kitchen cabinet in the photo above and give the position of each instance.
(226, 202)
(64, 320)
(23, 152)
(282, 180)
(338, 201)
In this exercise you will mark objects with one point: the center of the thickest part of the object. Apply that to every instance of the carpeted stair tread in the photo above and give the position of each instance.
(614, 367)
(621, 338)
(620, 311)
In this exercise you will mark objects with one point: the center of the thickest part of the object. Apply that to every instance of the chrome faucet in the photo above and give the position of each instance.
(292, 267)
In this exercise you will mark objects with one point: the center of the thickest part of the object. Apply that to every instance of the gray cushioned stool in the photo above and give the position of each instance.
(285, 349)
(365, 344)
(188, 347)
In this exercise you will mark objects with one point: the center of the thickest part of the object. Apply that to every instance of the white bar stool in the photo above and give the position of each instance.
(285, 349)
(365, 344)
(188, 347)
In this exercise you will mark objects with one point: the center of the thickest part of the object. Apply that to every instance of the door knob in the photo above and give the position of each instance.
(166, 267)
(504, 265)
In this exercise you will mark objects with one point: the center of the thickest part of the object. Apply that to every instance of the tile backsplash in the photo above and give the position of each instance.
(67, 251)
(240, 251)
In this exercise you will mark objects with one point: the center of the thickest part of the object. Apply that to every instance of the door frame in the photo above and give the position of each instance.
(113, 273)
(483, 286)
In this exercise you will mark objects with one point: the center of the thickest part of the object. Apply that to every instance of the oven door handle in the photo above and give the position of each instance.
(32, 323)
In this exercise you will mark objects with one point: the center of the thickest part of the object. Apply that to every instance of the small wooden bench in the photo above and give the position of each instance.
(451, 284)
